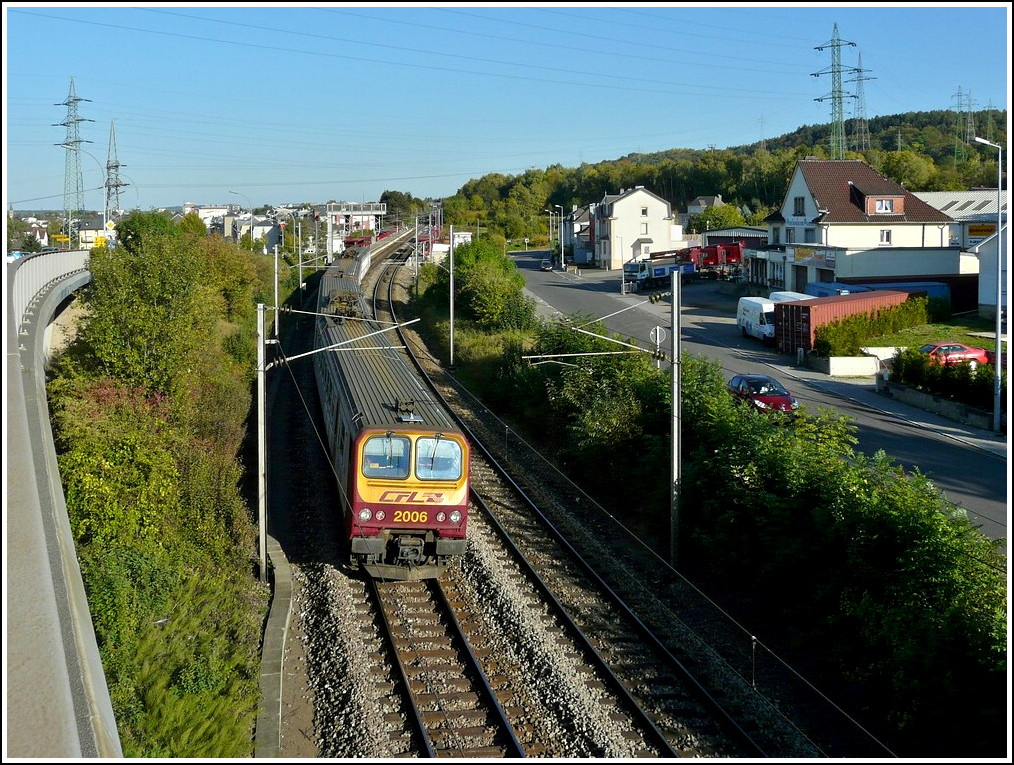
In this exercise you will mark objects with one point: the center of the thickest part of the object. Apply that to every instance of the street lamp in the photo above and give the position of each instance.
(550, 238)
(265, 252)
(250, 207)
(999, 280)
(559, 233)
(623, 273)
(105, 190)
(282, 226)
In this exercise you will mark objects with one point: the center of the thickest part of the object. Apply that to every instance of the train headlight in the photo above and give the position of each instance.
(441, 516)
(381, 515)
(365, 514)
(455, 516)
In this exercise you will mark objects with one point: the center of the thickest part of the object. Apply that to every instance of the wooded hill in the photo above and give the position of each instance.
(922, 151)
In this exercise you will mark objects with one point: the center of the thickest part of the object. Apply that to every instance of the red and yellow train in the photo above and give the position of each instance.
(401, 462)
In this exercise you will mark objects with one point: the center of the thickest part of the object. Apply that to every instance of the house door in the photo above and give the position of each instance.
(799, 279)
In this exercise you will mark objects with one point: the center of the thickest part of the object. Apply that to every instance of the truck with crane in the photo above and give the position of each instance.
(716, 261)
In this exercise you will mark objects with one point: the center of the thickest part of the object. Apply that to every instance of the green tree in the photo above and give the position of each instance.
(489, 286)
(135, 228)
(402, 205)
(16, 231)
(150, 309)
(911, 170)
(192, 224)
(719, 216)
(149, 406)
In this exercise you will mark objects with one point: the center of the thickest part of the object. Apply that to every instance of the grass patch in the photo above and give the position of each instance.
(962, 329)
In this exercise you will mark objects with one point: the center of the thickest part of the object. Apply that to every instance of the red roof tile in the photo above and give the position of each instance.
(840, 187)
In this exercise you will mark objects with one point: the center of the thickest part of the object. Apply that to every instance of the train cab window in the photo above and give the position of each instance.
(438, 459)
(386, 456)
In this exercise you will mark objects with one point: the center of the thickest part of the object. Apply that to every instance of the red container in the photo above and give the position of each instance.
(797, 321)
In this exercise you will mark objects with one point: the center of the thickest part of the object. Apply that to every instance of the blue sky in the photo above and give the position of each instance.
(319, 102)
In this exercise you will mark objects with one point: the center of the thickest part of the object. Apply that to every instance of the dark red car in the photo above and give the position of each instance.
(957, 353)
(764, 393)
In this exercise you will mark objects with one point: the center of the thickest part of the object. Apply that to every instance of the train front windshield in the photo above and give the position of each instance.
(438, 459)
(386, 457)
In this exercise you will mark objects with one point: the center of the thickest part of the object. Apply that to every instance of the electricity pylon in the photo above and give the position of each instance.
(836, 94)
(113, 182)
(73, 183)
(861, 128)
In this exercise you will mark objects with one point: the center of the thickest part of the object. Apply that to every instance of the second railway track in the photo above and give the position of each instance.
(572, 673)
(646, 676)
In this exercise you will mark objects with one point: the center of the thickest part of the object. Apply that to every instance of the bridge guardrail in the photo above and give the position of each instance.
(57, 701)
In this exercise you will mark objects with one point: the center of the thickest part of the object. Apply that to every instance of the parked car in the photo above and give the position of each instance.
(546, 265)
(957, 353)
(762, 392)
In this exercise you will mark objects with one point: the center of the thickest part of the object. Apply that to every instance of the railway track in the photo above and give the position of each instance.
(574, 670)
(622, 659)
(770, 707)
(455, 712)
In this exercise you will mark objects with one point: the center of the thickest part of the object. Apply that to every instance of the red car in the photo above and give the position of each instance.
(957, 353)
(764, 393)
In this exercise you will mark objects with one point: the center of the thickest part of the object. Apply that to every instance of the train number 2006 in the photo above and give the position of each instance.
(411, 516)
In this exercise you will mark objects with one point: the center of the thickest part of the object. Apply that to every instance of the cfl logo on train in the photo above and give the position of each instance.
(413, 497)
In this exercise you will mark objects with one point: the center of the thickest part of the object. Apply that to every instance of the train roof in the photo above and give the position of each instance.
(374, 372)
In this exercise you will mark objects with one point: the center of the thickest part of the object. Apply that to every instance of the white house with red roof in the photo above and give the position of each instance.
(841, 220)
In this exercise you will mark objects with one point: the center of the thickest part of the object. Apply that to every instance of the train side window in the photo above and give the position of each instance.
(386, 457)
(438, 459)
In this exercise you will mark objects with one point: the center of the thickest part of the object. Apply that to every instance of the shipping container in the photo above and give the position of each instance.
(939, 290)
(827, 289)
(797, 321)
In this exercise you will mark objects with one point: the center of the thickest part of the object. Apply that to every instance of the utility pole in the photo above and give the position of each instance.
(276, 293)
(262, 448)
(675, 436)
(451, 365)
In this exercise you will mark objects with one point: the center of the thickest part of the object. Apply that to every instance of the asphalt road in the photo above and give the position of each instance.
(969, 467)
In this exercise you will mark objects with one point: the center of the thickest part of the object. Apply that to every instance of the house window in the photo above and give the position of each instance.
(799, 206)
(790, 235)
(885, 207)
(644, 212)
(776, 235)
(644, 228)
(808, 236)
(885, 236)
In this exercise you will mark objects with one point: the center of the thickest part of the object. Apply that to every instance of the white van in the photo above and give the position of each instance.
(755, 317)
(784, 297)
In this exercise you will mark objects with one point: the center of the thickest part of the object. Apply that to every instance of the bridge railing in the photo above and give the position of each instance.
(57, 702)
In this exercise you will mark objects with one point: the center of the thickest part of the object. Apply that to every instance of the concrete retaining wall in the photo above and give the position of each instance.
(952, 410)
(844, 366)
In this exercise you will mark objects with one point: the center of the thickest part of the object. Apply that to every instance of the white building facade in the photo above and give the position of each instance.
(840, 219)
(629, 226)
